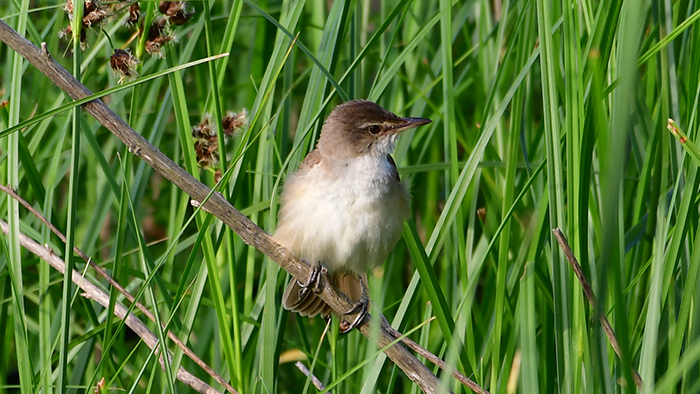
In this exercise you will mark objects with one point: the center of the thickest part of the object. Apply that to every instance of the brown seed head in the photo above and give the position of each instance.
(65, 33)
(91, 6)
(232, 122)
(158, 28)
(206, 144)
(158, 35)
(177, 11)
(134, 15)
(123, 64)
(205, 128)
(207, 153)
(163, 6)
(68, 8)
(155, 46)
(95, 17)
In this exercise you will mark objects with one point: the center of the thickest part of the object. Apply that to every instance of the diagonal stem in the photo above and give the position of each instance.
(588, 291)
(91, 291)
(213, 202)
(186, 350)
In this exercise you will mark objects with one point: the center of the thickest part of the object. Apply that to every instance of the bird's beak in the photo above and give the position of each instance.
(409, 123)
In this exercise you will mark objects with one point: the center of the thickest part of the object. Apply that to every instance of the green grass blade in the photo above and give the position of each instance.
(104, 93)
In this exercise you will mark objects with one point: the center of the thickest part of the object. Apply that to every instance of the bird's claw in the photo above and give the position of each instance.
(314, 283)
(360, 307)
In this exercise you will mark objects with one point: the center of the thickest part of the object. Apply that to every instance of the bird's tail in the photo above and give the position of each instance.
(306, 303)
(303, 301)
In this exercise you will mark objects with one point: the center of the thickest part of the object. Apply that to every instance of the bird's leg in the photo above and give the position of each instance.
(360, 306)
(314, 282)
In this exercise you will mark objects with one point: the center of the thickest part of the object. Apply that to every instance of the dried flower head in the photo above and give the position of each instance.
(158, 28)
(134, 15)
(206, 144)
(68, 8)
(95, 17)
(159, 34)
(163, 6)
(207, 154)
(123, 64)
(155, 46)
(67, 34)
(232, 122)
(91, 6)
(94, 13)
(177, 11)
(205, 128)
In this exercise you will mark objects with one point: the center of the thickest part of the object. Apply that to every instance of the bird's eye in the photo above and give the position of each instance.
(374, 129)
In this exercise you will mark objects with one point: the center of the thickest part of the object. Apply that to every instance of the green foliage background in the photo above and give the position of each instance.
(546, 114)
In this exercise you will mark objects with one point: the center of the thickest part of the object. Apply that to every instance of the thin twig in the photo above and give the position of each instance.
(91, 291)
(316, 382)
(187, 351)
(588, 291)
(215, 203)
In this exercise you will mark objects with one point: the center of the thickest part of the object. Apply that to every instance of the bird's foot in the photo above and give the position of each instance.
(314, 283)
(360, 307)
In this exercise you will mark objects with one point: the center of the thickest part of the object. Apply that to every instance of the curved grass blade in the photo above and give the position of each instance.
(303, 48)
(105, 92)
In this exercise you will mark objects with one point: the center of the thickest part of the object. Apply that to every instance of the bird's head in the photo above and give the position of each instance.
(361, 127)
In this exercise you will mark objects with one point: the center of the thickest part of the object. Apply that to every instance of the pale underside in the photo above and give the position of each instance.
(347, 216)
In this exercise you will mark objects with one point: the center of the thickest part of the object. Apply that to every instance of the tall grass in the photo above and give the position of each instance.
(545, 115)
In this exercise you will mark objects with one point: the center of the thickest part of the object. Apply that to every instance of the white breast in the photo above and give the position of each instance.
(348, 217)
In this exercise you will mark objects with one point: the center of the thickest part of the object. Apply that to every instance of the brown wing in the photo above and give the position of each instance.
(310, 161)
(393, 165)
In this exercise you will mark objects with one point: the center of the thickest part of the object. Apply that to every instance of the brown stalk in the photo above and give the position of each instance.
(91, 291)
(187, 351)
(314, 380)
(216, 204)
(588, 291)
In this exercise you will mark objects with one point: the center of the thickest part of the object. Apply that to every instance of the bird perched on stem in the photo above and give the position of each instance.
(343, 210)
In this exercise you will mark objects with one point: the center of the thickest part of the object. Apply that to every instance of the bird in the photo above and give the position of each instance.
(342, 211)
